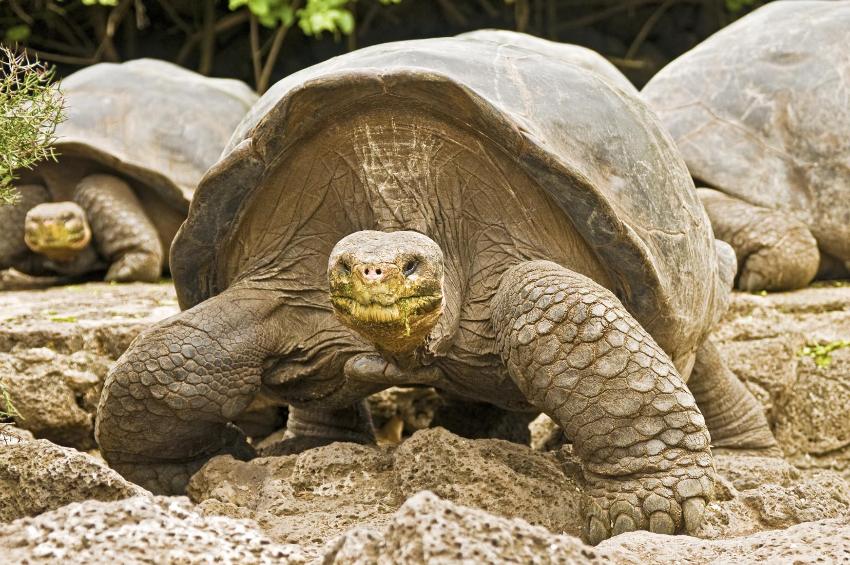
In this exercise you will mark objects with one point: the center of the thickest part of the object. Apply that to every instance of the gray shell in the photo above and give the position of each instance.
(596, 150)
(151, 120)
(573, 54)
(761, 111)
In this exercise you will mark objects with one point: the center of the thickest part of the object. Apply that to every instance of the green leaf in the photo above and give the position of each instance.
(31, 106)
(7, 409)
(821, 353)
(326, 15)
(17, 34)
(269, 13)
(735, 6)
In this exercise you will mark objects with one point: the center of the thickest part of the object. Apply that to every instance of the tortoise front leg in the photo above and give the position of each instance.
(168, 402)
(580, 357)
(121, 229)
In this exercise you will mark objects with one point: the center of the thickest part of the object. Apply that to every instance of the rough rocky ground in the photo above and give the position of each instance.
(806, 392)
(56, 346)
(436, 497)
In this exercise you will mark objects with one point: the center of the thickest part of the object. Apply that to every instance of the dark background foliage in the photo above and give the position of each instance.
(260, 41)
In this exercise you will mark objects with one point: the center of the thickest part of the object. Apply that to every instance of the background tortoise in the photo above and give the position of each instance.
(468, 206)
(760, 113)
(137, 139)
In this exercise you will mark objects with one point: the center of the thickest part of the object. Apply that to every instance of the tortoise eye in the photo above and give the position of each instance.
(346, 268)
(410, 267)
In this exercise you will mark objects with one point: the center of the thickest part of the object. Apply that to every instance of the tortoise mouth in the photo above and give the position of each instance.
(382, 309)
(70, 240)
(56, 240)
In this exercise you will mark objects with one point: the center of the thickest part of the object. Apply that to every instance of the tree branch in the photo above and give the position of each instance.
(207, 39)
(646, 28)
(256, 56)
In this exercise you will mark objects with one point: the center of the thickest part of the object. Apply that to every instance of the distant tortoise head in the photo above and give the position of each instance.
(57, 230)
(387, 286)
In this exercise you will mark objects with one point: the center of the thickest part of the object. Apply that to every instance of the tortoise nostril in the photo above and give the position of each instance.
(372, 273)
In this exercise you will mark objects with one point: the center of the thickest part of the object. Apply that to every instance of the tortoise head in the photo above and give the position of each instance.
(57, 230)
(387, 287)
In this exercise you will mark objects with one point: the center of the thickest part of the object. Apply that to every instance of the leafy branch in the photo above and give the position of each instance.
(314, 18)
(30, 109)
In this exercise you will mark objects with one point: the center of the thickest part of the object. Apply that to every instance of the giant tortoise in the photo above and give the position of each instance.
(479, 218)
(567, 52)
(137, 139)
(761, 113)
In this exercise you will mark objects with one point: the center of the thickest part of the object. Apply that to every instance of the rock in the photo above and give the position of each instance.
(546, 435)
(501, 477)
(413, 406)
(316, 495)
(138, 530)
(37, 476)
(805, 393)
(10, 435)
(749, 472)
(427, 529)
(824, 541)
(56, 346)
(820, 495)
(323, 492)
(754, 494)
(306, 498)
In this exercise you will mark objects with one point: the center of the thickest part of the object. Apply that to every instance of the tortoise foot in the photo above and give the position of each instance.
(315, 427)
(135, 267)
(172, 477)
(665, 502)
(159, 478)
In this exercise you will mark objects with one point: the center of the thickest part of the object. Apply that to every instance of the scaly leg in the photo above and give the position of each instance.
(122, 232)
(580, 357)
(308, 428)
(734, 417)
(775, 251)
(168, 401)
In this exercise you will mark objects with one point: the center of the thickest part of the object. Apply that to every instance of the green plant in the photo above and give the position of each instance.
(822, 352)
(270, 13)
(735, 6)
(326, 15)
(64, 319)
(30, 110)
(7, 409)
(314, 18)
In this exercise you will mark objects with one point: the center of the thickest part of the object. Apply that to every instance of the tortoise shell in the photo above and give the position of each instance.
(311, 163)
(761, 111)
(151, 120)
